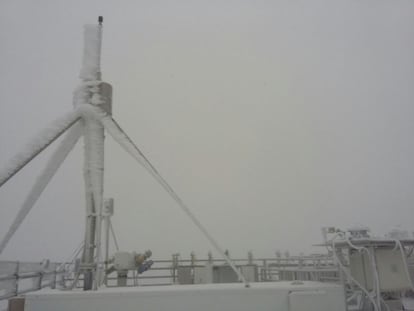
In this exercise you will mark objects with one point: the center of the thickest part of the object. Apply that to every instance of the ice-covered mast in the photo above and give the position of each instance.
(93, 92)
(91, 117)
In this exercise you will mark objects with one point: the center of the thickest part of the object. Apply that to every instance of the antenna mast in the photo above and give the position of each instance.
(93, 91)
(93, 108)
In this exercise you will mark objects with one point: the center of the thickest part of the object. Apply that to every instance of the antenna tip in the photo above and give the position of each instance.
(100, 20)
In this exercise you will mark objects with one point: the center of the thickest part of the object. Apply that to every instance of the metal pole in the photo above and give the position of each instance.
(93, 163)
(16, 289)
(106, 246)
(93, 92)
(108, 212)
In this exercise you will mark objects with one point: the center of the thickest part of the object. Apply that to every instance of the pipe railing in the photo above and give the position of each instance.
(17, 278)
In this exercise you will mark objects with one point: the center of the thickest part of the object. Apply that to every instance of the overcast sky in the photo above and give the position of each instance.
(271, 119)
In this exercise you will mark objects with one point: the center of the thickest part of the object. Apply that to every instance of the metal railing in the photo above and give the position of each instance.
(17, 278)
(167, 272)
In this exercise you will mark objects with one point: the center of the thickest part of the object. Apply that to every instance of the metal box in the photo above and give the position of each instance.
(124, 261)
(390, 265)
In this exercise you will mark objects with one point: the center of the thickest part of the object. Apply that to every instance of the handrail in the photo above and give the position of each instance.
(42, 277)
(163, 272)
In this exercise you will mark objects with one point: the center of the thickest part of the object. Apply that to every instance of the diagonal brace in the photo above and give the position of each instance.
(42, 141)
(43, 179)
(128, 145)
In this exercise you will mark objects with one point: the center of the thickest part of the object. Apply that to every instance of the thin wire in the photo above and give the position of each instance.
(108, 122)
(75, 281)
(404, 258)
(113, 235)
(72, 257)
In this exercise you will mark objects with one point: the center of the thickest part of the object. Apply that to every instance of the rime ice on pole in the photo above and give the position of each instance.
(92, 101)
(87, 95)
(91, 66)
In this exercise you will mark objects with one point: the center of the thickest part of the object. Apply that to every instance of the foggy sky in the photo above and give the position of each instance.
(271, 119)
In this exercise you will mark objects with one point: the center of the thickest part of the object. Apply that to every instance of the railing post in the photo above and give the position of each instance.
(174, 267)
(250, 258)
(39, 285)
(193, 259)
(53, 285)
(264, 270)
(16, 290)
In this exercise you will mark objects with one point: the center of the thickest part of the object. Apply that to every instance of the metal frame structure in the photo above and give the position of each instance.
(90, 118)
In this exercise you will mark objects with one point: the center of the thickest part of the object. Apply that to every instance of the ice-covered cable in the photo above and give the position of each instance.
(37, 145)
(116, 132)
(375, 279)
(404, 258)
(125, 142)
(43, 180)
(349, 276)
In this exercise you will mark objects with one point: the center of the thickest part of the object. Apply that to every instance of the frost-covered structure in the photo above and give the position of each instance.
(90, 118)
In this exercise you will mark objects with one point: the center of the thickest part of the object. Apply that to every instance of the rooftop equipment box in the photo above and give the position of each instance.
(391, 269)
